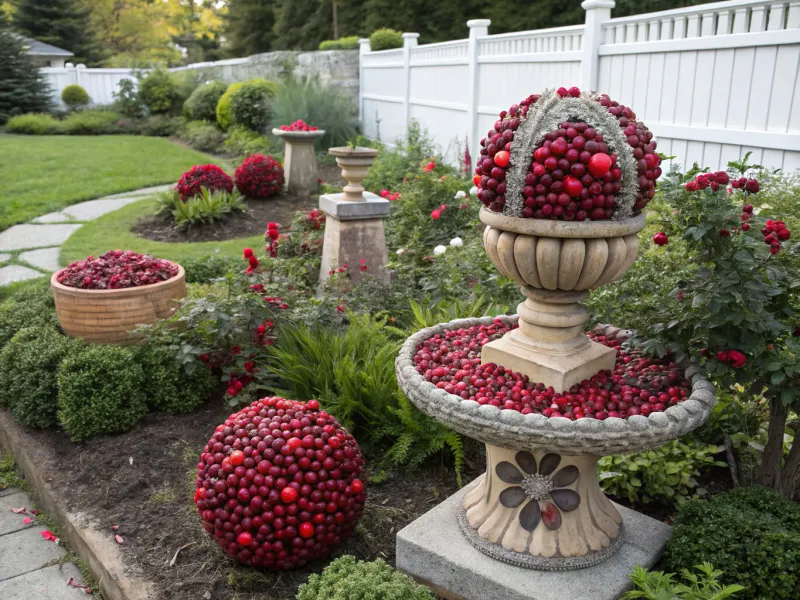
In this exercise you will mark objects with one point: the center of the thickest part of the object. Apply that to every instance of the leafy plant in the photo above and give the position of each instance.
(208, 268)
(159, 91)
(31, 306)
(392, 166)
(74, 96)
(90, 122)
(202, 104)
(160, 125)
(347, 578)
(127, 100)
(202, 135)
(34, 124)
(101, 389)
(704, 585)
(667, 474)
(204, 208)
(169, 387)
(753, 531)
(385, 39)
(349, 42)
(244, 142)
(37, 352)
(252, 109)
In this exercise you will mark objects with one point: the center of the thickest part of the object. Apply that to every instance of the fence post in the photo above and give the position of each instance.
(363, 48)
(597, 13)
(477, 28)
(409, 41)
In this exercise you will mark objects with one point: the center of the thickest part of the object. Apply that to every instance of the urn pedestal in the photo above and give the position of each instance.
(300, 161)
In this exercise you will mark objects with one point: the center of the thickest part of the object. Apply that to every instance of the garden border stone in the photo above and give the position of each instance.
(97, 548)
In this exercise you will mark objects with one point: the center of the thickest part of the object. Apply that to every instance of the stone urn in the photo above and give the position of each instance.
(300, 160)
(354, 163)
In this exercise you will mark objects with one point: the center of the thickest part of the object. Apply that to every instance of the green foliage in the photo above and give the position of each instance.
(208, 268)
(34, 124)
(346, 43)
(251, 103)
(753, 531)
(205, 208)
(23, 88)
(160, 125)
(349, 579)
(244, 142)
(90, 122)
(101, 389)
(74, 96)
(159, 91)
(224, 117)
(202, 104)
(392, 166)
(385, 39)
(30, 306)
(704, 585)
(28, 367)
(248, 29)
(127, 100)
(202, 136)
(9, 476)
(169, 387)
(667, 474)
(324, 106)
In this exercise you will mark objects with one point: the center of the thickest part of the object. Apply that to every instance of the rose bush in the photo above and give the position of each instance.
(259, 176)
(210, 177)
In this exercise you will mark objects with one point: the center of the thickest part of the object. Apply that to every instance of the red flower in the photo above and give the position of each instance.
(273, 234)
(253, 261)
(385, 193)
(340, 308)
(722, 356)
(259, 176)
(210, 177)
(737, 359)
(436, 213)
(660, 239)
(248, 252)
(430, 167)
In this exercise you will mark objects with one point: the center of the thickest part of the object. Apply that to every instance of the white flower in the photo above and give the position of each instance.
(473, 191)
(401, 251)
(460, 194)
(439, 250)
(456, 242)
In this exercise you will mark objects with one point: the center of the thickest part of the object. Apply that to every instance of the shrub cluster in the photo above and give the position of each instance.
(202, 135)
(117, 269)
(169, 387)
(29, 307)
(347, 579)
(259, 176)
(74, 96)
(34, 124)
(346, 43)
(159, 91)
(251, 104)
(202, 104)
(754, 532)
(385, 39)
(210, 177)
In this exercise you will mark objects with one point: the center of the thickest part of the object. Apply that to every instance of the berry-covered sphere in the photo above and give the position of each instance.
(280, 483)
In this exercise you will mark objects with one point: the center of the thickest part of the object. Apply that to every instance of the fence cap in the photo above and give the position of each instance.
(410, 36)
(479, 22)
(592, 4)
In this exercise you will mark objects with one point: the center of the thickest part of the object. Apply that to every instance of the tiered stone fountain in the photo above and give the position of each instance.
(539, 506)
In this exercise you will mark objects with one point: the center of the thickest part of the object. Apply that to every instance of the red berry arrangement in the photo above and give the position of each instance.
(574, 174)
(259, 176)
(639, 385)
(298, 125)
(280, 484)
(117, 269)
(210, 177)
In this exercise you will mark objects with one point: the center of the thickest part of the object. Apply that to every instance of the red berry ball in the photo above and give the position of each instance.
(599, 164)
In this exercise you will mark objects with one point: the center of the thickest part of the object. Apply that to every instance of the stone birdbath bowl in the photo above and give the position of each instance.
(300, 161)
(354, 163)
(539, 505)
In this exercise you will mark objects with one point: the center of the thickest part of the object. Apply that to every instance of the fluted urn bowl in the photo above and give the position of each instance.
(539, 505)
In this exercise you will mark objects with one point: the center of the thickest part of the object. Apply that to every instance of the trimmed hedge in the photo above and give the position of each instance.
(346, 43)
(252, 108)
(101, 389)
(168, 386)
(34, 124)
(74, 96)
(753, 534)
(385, 39)
(31, 306)
(159, 91)
(28, 369)
(202, 104)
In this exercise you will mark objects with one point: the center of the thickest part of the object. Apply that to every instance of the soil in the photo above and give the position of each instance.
(280, 209)
(143, 481)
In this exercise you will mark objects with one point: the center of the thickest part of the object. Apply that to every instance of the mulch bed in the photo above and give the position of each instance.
(143, 481)
(279, 209)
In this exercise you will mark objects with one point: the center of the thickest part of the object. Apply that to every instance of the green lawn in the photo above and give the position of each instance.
(42, 174)
(112, 232)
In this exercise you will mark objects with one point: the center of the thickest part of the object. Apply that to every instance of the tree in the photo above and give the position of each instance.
(22, 87)
(249, 27)
(62, 23)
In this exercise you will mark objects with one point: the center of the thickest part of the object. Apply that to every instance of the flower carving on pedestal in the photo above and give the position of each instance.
(542, 488)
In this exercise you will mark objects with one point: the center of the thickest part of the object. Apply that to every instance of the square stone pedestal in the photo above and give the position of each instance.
(354, 230)
(433, 550)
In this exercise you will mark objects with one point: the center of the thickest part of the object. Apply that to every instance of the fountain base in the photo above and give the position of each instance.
(435, 552)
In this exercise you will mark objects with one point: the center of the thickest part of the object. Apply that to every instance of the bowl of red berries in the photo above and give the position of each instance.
(299, 131)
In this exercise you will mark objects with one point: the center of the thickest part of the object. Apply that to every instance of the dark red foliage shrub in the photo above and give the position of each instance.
(280, 483)
(117, 269)
(210, 177)
(259, 176)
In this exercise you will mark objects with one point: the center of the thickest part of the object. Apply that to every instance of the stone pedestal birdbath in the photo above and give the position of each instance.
(354, 225)
(539, 505)
(300, 161)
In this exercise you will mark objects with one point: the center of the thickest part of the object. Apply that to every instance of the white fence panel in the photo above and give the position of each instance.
(712, 81)
(100, 84)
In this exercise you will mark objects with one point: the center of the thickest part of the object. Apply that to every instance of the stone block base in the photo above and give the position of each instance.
(371, 207)
(562, 372)
(433, 550)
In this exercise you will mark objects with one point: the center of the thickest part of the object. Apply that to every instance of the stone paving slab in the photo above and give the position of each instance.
(139, 194)
(86, 211)
(9, 491)
(49, 583)
(26, 551)
(4, 257)
(9, 521)
(12, 273)
(433, 550)
(29, 235)
(43, 258)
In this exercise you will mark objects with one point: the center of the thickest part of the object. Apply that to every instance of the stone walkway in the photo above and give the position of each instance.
(33, 248)
(31, 567)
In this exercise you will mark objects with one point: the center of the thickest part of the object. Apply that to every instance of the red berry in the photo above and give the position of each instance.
(288, 495)
(237, 458)
(306, 530)
(357, 486)
(599, 164)
(245, 539)
(572, 186)
(502, 158)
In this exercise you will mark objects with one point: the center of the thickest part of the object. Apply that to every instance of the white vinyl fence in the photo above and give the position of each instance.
(100, 84)
(712, 81)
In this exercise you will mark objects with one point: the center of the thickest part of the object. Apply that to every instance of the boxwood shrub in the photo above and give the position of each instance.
(202, 104)
(37, 352)
(753, 534)
(385, 39)
(159, 91)
(33, 124)
(347, 579)
(167, 385)
(30, 306)
(101, 389)
(74, 96)
(346, 43)
(247, 103)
